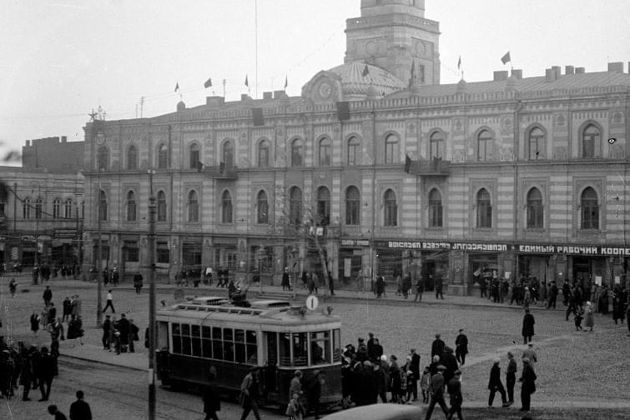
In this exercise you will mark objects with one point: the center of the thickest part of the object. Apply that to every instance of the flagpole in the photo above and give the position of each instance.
(256, 41)
(224, 81)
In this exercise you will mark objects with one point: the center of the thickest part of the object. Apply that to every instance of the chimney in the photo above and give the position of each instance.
(580, 70)
(615, 67)
(518, 74)
(215, 101)
(500, 75)
(569, 70)
(64, 139)
(245, 97)
(280, 94)
(267, 95)
(549, 75)
(557, 72)
(28, 143)
(181, 106)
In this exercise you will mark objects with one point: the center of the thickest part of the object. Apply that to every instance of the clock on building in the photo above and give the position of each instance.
(324, 89)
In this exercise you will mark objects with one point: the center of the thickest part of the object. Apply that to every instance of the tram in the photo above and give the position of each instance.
(279, 338)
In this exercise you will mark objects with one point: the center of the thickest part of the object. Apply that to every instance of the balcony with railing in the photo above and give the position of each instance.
(433, 167)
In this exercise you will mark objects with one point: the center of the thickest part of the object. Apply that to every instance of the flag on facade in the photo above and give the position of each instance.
(246, 81)
(459, 63)
(366, 71)
(506, 58)
(208, 83)
(176, 86)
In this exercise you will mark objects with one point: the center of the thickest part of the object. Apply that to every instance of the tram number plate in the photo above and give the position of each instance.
(312, 302)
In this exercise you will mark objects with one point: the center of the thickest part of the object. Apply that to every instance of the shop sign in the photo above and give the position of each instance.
(65, 233)
(479, 247)
(28, 238)
(355, 242)
(459, 246)
(574, 250)
(44, 238)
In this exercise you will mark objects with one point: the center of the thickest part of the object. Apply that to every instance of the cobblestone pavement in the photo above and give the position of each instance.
(574, 367)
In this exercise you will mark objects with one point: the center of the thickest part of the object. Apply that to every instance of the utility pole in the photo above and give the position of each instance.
(152, 329)
(141, 106)
(99, 255)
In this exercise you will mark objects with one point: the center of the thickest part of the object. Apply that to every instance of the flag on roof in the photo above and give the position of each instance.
(506, 58)
(459, 63)
(246, 80)
(286, 81)
(208, 83)
(176, 86)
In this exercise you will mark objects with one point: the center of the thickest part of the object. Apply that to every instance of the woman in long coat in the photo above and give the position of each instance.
(211, 401)
(528, 327)
(589, 320)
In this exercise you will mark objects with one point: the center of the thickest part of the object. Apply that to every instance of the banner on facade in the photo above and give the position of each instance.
(355, 242)
(347, 267)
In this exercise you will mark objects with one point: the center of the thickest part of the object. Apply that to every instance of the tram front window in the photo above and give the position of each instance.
(320, 348)
(300, 350)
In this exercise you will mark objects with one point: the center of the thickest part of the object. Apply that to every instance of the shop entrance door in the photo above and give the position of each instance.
(429, 275)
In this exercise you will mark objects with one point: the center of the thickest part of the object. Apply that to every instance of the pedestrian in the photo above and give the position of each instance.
(450, 362)
(454, 388)
(75, 329)
(35, 320)
(295, 409)
(406, 285)
(46, 373)
(133, 336)
(553, 295)
(26, 373)
(530, 354)
(53, 410)
(47, 295)
(12, 287)
(80, 410)
(395, 378)
(137, 282)
(110, 302)
(295, 387)
(439, 286)
(380, 286)
(419, 289)
(577, 319)
(495, 384)
(528, 327)
(107, 326)
(414, 366)
(437, 392)
(249, 393)
(211, 400)
(589, 319)
(67, 309)
(461, 347)
(314, 393)
(437, 347)
(425, 382)
(286, 285)
(510, 377)
(76, 306)
(528, 384)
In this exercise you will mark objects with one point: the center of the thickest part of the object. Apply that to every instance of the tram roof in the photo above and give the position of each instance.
(258, 313)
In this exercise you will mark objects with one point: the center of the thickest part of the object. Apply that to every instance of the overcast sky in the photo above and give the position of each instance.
(59, 59)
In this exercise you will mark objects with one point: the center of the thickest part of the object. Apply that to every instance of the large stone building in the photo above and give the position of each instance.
(377, 168)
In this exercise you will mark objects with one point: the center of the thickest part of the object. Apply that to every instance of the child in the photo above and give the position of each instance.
(410, 384)
(295, 409)
(425, 381)
(579, 316)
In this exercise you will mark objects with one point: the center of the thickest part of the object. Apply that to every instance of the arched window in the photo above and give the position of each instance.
(67, 209)
(226, 207)
(26, 208)
(162, 162)
(435, 209)
(590, 209)
(484, 145)
(297, 154)
(353, 206)
(228, 154)
(102, 158)
(391, 149)
(263, 154)
(295, 206)
(436, 145)
(354, 151)
(161, 206)
(591, 137)
(131, 206)
(390, 214)
(324, 152)
(193, 207)
(194, 156)
(323, 206)
(484, 209)
(56, 208)
(132, 158)
(102, 206)
(536, 144)
(535, 212)
(262, 208)
(38, 208)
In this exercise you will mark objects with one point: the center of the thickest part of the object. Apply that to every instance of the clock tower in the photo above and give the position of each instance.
(394, 35)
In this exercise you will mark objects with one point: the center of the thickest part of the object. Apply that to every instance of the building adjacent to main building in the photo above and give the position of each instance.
(377, 168)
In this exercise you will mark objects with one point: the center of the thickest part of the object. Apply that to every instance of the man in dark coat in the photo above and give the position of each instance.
(510, 377)
(46, 373)
(414, 367)
(80, 410)
(437, 348)
(26, 373)
(47, 295)
(450, 362)
(107, 325)
(495, 384)
(123, 329)
(454, 387)
(439, 286)
(553, 295)
(436, 389)
(528, 327)
(211, 400)
(528, 384)
(461, 347)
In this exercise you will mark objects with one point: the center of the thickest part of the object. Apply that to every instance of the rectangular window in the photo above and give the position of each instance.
(186, 340)
(484, 149)
(285, 349)
(162, 253)
(336, 345)
(195, 335)
(320, 348)
(252, 348)
(177, 339)
(300, 349)
(131, 251)
(206, 342)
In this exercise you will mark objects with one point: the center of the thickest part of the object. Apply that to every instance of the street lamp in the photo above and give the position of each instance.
(152, 332)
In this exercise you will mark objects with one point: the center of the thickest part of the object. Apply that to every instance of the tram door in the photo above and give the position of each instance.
(270, 346)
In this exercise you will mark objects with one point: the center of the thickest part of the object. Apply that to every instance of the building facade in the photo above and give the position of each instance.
(376, 170)
(41, 215)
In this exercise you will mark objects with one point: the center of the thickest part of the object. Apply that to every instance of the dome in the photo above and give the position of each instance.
(356, 81)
